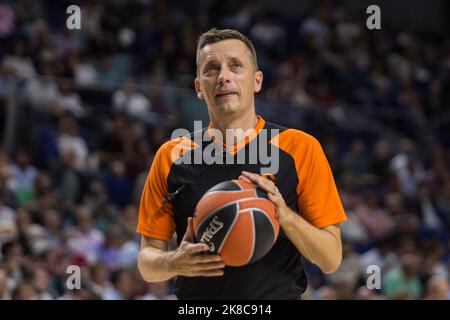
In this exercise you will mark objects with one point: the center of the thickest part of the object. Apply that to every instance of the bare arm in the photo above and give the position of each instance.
(155, 263)
(323, 247)
(320, 246)
(153, 260)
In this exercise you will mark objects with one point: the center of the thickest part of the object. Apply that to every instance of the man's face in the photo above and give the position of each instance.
(227, 79)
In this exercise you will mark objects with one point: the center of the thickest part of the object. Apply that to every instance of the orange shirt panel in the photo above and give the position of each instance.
(317, 196)
(155, 218)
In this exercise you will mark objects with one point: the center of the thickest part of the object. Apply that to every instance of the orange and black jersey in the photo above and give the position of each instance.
(304, 178)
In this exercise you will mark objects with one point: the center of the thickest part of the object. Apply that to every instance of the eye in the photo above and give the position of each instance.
(212, 67)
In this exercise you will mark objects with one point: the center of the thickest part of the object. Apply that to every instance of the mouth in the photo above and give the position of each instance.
(225, 95)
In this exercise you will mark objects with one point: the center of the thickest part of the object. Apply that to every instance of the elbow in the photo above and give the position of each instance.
(151, 270)
(331, 265)
(142, 269)
(333, 257)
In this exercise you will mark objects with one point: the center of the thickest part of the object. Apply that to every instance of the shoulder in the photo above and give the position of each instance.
(177, 147)
(295, 140)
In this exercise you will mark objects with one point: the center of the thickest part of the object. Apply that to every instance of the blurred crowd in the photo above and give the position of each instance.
(93, 106)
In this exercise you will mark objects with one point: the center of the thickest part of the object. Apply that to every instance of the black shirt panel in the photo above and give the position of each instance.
(279, 274)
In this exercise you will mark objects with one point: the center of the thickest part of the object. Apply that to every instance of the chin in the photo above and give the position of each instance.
(228, 108)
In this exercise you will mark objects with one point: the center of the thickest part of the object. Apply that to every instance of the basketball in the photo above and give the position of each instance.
(237, 221)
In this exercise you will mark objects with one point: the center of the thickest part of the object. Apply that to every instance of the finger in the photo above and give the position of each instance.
(208, 266)
(189, 234)
(275, 199)
(207, 273)
(254, 178)
(261, 182)
(269, 187)
(195, 248)
(206, 258)
(244, 178)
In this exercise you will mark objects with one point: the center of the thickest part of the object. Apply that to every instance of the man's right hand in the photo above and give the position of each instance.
(193, 259)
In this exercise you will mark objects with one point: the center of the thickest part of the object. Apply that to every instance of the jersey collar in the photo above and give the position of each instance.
(233, 149)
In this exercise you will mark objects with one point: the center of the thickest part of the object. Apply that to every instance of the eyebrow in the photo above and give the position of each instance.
(236, 59)
(214, 61)
(210, 62)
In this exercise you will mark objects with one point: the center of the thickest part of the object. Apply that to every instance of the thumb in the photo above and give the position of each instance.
(189, 234)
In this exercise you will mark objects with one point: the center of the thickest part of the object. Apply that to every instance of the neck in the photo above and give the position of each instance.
(243, 122)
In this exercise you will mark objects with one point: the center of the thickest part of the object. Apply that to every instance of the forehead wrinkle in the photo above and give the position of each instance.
(227, 51)
(213, 58)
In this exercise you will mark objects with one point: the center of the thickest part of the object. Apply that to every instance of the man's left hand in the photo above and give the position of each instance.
(273, 193)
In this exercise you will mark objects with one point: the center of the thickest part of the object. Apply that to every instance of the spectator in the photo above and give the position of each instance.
(351, 267)
(11, 263)
(437, 289)
(377, 222)
(72, 147)
(20, 63)
(100, 283)
(355, 160)
(122, 286)
(406, 167)
(130, 101)
(431, 216)
(40, 282)
(7, 18)
(159, 291)
(326, 293)
(66, 42)
(6, 213)
(380, 162)
(404, 283)
(4, 294)
(84, 239)
(129, 221)
(315, 28)
(52, 225)
(345, 288)
(381, 255)
(23, 177)
(42, 91)
(69, 181)
(24, 291)
(84, 72)
(364, 293)
(68, 103)
(118, 184)
(109, 251)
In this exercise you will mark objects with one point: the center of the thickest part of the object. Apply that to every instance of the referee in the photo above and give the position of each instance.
(302, 188)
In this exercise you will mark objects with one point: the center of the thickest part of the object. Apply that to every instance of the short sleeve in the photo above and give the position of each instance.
(317, 195)
(155, 218)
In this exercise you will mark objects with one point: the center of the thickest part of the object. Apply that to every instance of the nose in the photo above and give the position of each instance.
(224, 76)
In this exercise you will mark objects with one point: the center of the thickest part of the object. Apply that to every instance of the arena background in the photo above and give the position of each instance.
(82, 112)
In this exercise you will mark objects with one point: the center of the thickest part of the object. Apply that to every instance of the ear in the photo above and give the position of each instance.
(198, 88)
(258, 81)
